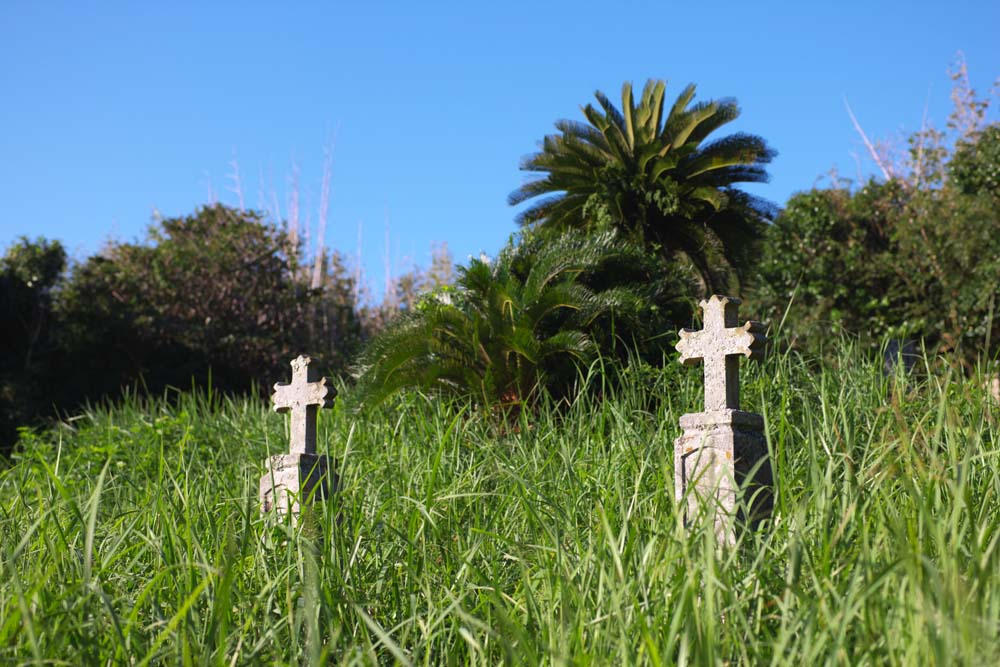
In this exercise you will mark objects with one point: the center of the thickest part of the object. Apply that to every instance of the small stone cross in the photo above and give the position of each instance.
(718, 344)
(306, 393)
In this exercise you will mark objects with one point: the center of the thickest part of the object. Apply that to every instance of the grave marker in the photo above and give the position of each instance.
(717, 451)
(302, 474)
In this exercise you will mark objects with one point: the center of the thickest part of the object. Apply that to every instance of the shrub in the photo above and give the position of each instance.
(896, 259)
(216, 292)
(217, 296)
(29, 274)
(511, 327)
(828, 261)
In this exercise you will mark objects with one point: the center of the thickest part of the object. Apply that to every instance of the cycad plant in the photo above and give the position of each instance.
(509, 327)
(652, 172)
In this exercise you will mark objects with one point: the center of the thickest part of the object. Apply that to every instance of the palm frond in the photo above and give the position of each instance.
(628, 115)
(576, 343)
(679, 128)
(650, 173)
(726, 111)
(610, 124)
(650, 111)
(735, 150)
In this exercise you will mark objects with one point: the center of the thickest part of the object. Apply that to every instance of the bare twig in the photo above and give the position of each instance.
(293, 205)
(857, 165)
(261, 197)
(883, 167)
(324, 207)
(918, 173)
(234, 176)
(389, 296)
(307, 239)
(357, 269)
(275, 204)
(211, 192)
(968, 112)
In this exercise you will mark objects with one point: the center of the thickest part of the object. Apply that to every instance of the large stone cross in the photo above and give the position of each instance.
(719, 345)
(306, 393)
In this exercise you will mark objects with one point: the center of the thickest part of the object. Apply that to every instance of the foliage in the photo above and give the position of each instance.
(29, 273)
(916, 257)
(885, 261)
(217, 297)
(135, 536)
(212, 292)
(407, 290)
(949, 247)
(656, 178)
(975, 167)
(829, 266)
(335, 327)
(510, 327)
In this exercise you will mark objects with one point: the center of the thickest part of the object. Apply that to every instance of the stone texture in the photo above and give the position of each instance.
(302, 475)
(714, 457)
(719, 345)
(293, 479)
(720, 447)
(302, 397)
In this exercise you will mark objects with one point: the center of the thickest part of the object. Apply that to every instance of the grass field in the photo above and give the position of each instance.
(132, 535)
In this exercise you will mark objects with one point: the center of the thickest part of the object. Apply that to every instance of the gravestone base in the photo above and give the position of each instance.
(714, 458)
(293, 479)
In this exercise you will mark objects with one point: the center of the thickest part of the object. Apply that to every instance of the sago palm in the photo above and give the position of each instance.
(653, 172)
(507, 327)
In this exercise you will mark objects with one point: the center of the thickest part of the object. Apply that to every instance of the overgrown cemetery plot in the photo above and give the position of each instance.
(133, 534)
(518, 470)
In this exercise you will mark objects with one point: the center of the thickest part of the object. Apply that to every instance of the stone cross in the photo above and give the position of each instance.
(719, 345)
(722, 452)
(306, 393)
(302, 475)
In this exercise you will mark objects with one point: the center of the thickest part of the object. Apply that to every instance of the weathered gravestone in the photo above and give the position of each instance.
(302, 475)
(723, 448)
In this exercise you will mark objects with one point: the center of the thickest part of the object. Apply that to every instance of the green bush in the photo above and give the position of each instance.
(975, 167)
(218, 296)
(828, 262)
(29, 273)
(515, 326)
(217, 292)
(895, 259)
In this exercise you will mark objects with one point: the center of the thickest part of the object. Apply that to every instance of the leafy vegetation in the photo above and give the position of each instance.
(213, 290)
(515, 326)
(653, 173)
(133, 534)
(914, 258)
(29, 271)
(216, 297)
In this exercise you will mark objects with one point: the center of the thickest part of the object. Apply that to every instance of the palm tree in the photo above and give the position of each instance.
(655, 178)
(509, 327)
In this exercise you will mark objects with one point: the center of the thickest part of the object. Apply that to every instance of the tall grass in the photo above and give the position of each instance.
(132, 534)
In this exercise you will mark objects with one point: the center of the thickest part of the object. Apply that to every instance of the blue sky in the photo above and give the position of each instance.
(113, 110)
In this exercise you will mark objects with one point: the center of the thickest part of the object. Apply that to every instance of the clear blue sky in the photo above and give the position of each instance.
(111, 110)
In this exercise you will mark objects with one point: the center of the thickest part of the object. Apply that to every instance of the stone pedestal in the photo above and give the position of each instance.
(713, 459)
(293, 479)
